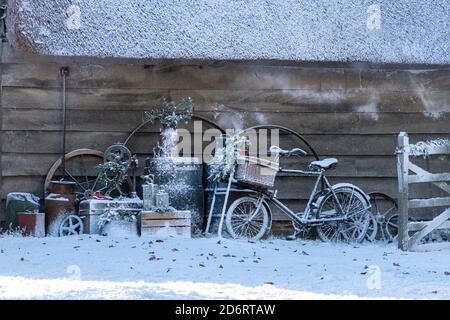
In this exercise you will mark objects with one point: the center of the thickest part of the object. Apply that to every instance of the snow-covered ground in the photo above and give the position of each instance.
(95, 267)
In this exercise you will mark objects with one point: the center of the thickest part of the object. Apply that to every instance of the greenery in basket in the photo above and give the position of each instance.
(171, 113)
(226, 157)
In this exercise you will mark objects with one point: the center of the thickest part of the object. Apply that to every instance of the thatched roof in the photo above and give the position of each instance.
(411, 31)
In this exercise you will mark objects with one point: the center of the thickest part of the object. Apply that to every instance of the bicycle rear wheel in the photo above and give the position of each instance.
(355, 207)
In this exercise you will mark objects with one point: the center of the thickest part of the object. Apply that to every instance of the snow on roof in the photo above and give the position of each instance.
(380, 31)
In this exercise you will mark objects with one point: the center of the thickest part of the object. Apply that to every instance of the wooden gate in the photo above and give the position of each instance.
(411, 233)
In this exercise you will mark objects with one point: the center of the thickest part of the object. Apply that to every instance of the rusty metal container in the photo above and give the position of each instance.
(58, 203)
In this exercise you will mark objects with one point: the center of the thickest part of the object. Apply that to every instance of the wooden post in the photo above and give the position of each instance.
(402, 172)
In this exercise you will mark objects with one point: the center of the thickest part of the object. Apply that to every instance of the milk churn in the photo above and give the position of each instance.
(59, 202)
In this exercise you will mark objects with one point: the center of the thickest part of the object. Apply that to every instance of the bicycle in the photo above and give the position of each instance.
(338, 212)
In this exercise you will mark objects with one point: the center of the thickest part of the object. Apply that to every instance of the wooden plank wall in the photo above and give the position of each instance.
(351, 112)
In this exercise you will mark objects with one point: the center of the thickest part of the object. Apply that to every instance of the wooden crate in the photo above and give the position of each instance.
(177, 223)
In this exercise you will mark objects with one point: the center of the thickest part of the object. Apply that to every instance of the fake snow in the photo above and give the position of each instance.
(95, 267)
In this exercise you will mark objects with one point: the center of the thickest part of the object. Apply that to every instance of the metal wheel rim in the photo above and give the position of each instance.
(372, 229)
(239, 226)
(382, 215)
(353, 230)
(71, 225)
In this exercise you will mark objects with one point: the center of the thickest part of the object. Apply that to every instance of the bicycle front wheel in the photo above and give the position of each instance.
(243, 221)
(356, 210)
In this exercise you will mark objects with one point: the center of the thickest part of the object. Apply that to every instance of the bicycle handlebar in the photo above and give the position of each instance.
(295, 151)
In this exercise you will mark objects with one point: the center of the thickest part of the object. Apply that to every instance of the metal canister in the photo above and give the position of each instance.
(182, 179)
(149, 191)
(59, 202)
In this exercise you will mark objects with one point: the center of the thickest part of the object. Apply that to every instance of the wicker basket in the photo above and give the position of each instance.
(257, 172)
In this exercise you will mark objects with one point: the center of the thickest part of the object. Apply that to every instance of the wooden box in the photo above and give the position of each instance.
(164, 224)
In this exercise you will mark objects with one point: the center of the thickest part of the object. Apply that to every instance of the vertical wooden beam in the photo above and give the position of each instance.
(2, 211)
(402, 173)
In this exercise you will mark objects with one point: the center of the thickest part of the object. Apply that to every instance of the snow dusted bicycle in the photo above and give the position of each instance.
(338, 212)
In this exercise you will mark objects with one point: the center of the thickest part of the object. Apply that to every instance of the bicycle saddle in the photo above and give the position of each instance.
(293, 152)
(328, 163)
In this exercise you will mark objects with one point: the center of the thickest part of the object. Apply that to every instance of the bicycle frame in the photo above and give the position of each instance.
(305, 216)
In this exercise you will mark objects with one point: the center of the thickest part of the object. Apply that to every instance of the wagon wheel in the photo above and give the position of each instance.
(80, 167)
(373, 229)
(384, 208)
(71, 225)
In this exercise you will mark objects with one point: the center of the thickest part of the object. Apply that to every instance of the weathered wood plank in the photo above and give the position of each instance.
(431, 225)
(308, 123)
(425, 79)
(428, 203)
(166, 223)
(417, 226)
(230, 76)
(239, 100)
(31, 163)
(32, 184)
(149, 215)
(430, 177)
(403, 190)
(95, 73)
(326, 145)
(167, 231)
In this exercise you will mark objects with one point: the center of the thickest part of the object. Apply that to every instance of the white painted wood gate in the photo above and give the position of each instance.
(411, 233)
